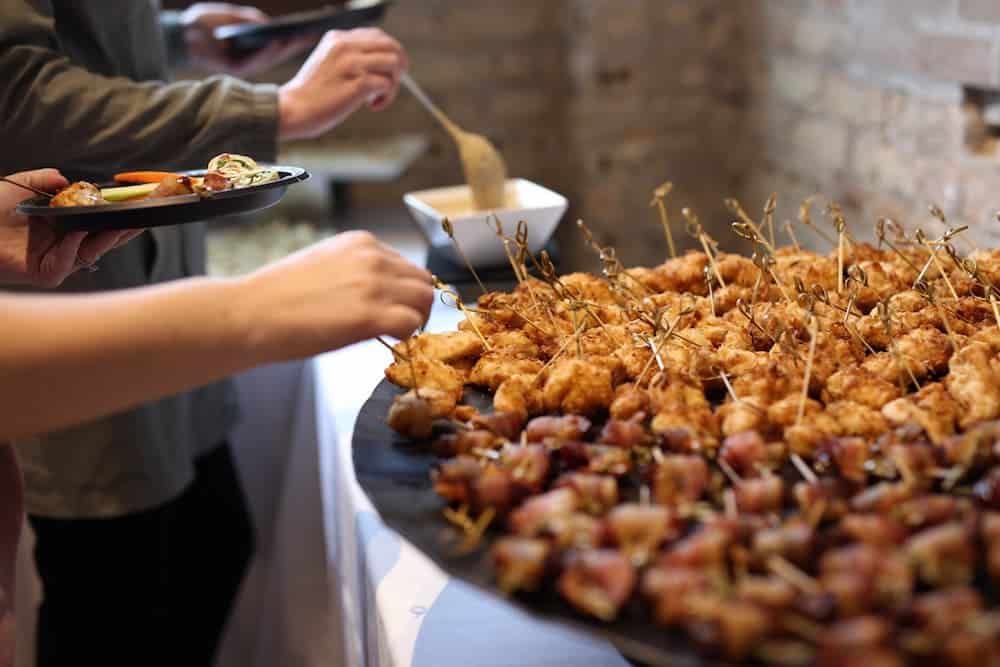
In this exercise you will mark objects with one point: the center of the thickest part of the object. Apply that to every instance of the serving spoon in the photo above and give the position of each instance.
(485, 170)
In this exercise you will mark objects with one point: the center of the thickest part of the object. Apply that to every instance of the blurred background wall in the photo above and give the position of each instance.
(883, 105)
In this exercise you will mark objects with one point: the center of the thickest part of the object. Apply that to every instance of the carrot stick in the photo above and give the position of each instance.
(143, 176)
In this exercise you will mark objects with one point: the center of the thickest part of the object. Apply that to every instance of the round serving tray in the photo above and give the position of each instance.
(177, 210)
(396, 476)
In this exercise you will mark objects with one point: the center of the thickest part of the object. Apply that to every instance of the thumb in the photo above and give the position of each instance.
(47, 180)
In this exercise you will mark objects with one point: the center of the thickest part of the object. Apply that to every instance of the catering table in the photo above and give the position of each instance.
(404, 611)
(408, 612)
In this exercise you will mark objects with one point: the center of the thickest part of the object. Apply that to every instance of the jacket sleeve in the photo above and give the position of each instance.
(54, 113)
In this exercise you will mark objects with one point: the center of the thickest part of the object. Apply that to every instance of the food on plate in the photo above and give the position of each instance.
(80, 193)
(225, 172)
(792, 457)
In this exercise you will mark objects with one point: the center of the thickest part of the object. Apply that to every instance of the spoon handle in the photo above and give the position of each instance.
(26, 187)
(422, 97)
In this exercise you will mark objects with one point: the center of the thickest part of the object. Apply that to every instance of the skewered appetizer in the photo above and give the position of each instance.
(792, 457)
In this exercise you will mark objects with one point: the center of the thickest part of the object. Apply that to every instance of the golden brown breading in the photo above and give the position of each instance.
(519, 394)
(685, 273)
(628, 401)
(856, 419)
(576, 386)
(679, 403)
(587, 287)
(745, 415)
(924, 352)
(493, 368)
(932, 408)
(860, 385)
(514, 343)
(974, 384)
(429, 373)
(737, 270)
(446, 347)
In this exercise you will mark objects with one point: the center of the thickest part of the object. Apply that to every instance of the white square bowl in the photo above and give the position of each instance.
(539, 207)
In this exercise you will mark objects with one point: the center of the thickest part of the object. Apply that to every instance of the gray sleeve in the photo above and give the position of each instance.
(54, 113)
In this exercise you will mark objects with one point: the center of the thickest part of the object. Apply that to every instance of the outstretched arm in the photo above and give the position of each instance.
(68, 359)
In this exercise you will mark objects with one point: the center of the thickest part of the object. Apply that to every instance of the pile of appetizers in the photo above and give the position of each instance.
(792, 457)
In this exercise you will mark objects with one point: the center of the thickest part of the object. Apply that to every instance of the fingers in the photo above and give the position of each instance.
(415, 294)
(48, 180)
(128, 236)
(60, 260)
(94, 246)
(401, 321)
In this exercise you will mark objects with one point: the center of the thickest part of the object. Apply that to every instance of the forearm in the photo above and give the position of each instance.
(65, 360)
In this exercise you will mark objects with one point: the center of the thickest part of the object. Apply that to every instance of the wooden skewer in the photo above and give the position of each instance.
(794, 575)
(769, 207)
(813, 335)
(728, 471)
(805, 217)
(791, 234)
(449, 229)
(803, 468)
(27, 187)
(391, 349)
(694, 226)
(659, 200)
(445, 290)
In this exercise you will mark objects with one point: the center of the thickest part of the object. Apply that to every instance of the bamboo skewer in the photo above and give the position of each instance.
(813, 335)
(449, 229)
(697, 231)
(659, 200)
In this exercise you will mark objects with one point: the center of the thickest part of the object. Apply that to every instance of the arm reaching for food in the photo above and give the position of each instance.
(33, 251)
(119, 124)
(144, 344)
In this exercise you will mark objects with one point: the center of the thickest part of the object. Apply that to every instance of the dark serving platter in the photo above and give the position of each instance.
(177, 210)
(354, 14)
(396, 476)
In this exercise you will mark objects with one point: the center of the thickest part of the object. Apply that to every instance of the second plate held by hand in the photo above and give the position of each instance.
(178, 210)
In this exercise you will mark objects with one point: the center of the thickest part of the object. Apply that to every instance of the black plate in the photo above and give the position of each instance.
(396, 476)
(355, 14)
(169, 210)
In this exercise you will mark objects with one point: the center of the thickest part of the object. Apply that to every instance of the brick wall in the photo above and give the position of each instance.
(862, 100)
(604, 99)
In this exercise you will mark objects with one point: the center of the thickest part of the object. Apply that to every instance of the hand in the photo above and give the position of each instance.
(338, 292)
(346, 71)
(201, 20)
(32, 251)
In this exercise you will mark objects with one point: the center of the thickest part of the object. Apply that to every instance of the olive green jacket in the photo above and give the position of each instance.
(83, 88)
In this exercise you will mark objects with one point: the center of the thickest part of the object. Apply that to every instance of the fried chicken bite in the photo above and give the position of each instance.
(974, 384)
(519, 394)
(575, 386)
(445, 347)
(860, 385)
(932, 408)
(80, 193)
(429, 373)
(494, 368)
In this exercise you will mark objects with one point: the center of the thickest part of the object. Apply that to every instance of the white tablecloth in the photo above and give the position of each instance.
(406, 611)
